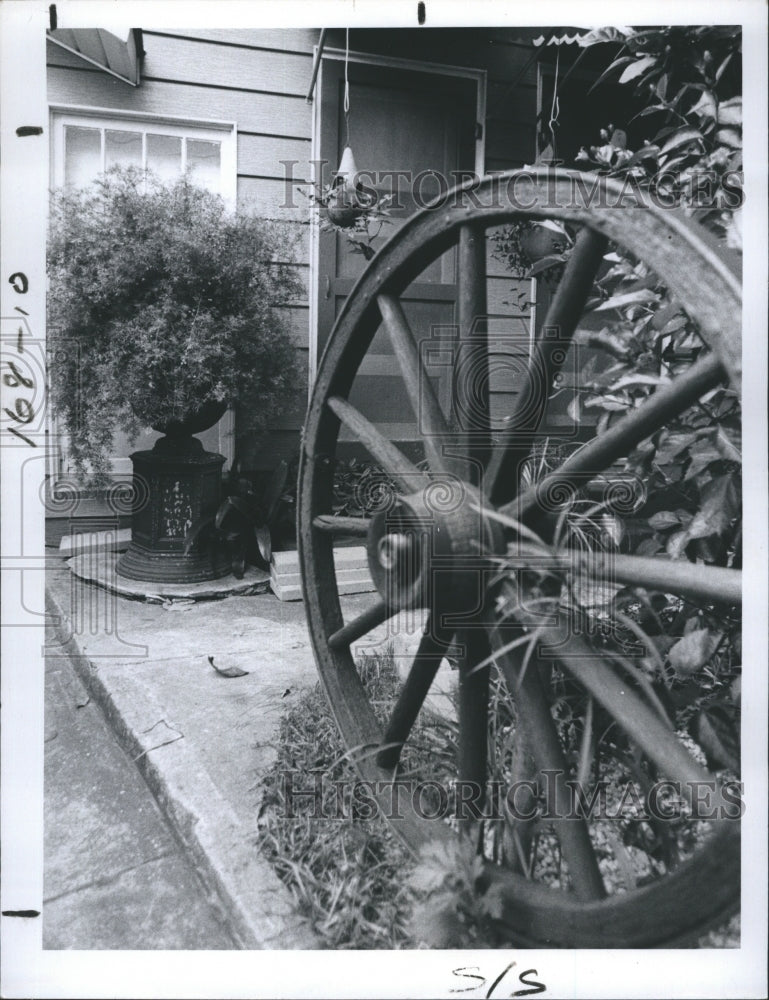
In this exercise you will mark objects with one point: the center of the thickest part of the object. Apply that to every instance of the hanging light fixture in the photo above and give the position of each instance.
(345, 202)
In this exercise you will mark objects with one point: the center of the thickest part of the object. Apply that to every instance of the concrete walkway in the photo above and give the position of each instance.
(115, 875)
(199, 741)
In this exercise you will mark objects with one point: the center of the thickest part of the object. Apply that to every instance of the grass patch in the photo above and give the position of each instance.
(348, 875)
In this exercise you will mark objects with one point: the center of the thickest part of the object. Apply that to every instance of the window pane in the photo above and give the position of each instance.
(164, 156)
(204, 163)
(82, 154)
(123, 148)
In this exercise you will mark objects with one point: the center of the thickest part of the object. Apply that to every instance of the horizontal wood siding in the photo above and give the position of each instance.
(271, 198)
(268, 156)
(258, 79)
(267, 39)
(185, 60)
(268, 113)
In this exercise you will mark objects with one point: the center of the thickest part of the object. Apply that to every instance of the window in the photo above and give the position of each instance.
(88, 142)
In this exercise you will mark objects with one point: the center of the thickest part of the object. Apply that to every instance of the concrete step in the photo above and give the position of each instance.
(81, 542)
(352, 574)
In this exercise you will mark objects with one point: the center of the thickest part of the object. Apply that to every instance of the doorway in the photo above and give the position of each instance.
(413, 130)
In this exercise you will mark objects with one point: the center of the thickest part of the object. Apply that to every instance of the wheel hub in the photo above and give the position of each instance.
(437, 541)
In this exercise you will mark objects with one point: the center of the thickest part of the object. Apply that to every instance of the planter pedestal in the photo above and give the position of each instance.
(175, 483)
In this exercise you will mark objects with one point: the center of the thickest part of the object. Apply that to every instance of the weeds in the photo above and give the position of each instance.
(347, 875)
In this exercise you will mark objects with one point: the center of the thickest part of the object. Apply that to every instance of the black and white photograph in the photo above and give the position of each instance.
(384, 499)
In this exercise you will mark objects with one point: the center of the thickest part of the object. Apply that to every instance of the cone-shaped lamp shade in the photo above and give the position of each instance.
(347, 171)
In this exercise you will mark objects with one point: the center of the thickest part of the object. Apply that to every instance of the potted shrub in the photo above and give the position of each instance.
(161, 313)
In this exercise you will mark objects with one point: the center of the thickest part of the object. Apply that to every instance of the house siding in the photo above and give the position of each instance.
(259, 79)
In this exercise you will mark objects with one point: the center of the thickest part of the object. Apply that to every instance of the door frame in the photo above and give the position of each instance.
(479, 76)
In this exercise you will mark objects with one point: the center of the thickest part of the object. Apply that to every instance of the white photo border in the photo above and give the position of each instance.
(28, 970)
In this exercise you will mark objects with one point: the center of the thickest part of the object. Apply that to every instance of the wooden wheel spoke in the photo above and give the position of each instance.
(426, 663)
(549, 354)
(473, 709)
(333, 525)
(542, 738)
(470, 390)
(391, 458)
(665, 404)
(360, 626)
(706, 583)
(523, 829)
(431, 424)
(640, 720)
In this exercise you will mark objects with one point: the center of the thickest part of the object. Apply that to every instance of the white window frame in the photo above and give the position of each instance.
(225, 133)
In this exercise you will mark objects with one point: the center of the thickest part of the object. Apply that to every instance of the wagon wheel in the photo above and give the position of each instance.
(427, 553)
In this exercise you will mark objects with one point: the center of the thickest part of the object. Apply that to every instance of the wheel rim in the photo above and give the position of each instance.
(534, 914)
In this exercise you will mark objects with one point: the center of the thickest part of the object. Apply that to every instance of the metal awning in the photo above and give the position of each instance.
(103, 49)
(563, 39)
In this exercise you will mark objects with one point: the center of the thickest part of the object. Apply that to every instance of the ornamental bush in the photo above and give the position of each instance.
(161, 300)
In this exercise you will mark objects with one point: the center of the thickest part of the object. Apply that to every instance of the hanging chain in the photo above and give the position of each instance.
(347, 86)
(555, 109)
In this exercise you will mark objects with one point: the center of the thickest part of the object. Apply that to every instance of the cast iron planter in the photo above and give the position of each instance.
(175, 483)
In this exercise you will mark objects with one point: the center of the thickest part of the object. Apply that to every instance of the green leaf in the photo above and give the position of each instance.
(493, 901)
(729, 137)
(726, 446)
(639, 379)
(714, 730)
(616, 344)
(730, 112)
(614, 404)
(552, 260)
(722, 67)
(650, 152)
(275, 489)
(677, 543)
(556, 227)
(437, 861)
(663, 316)
(644, 295)
(705, 106)
(672, 443)
(652, 109)
(664, 519)
(264, 541)
(720, 505)
(231, 505)
(636, 68)
(681, 138)
(702, 456)
(649, 546)
(692, 651)
(198, 531)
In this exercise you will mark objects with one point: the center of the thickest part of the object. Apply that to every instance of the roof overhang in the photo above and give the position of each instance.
(103, 49)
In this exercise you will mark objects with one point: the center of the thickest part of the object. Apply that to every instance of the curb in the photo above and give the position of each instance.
(257, 906)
